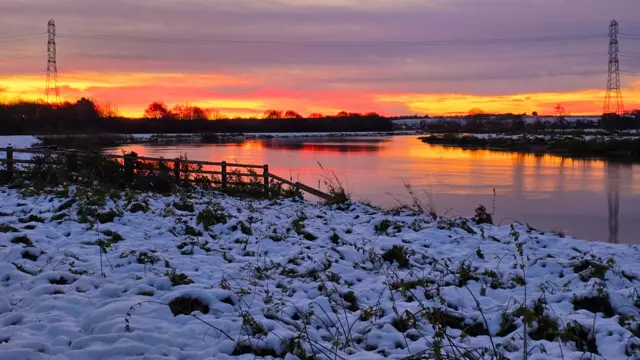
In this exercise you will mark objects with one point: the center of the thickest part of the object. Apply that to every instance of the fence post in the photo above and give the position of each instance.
(10, 162)
(176, 170)
(224, 174)
(265, 174)
(298, 192)
(72, 162)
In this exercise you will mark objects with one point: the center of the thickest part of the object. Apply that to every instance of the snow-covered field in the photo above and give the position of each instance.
(18, 141)
(86, 275)
(623, 136)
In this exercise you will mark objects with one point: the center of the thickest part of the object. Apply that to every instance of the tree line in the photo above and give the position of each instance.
(86, 116)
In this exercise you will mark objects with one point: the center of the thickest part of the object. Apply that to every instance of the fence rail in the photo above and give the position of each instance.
(131, 163)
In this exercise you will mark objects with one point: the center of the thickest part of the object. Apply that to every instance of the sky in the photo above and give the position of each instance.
(395, 57)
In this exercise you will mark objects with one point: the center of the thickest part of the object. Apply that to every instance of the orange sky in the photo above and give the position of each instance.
(131, 92)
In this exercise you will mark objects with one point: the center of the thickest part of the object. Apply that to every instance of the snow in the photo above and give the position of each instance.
(18, 141)
(624, 136)
(270, 288)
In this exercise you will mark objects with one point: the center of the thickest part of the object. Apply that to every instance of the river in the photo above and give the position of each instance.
(586, 199)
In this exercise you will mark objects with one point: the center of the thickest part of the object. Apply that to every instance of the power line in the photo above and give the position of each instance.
(21, 56)
(358, 62)
(20, 38)
(334, 44)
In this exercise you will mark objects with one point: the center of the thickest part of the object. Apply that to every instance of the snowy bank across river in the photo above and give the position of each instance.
(86, 275)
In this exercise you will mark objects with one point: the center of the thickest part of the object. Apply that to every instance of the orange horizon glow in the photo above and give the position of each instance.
(132, 92)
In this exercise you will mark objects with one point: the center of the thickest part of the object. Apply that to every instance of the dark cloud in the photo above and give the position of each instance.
(523, 66)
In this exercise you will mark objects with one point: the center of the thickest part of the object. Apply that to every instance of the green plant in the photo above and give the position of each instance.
(212, 216)
(147, 258)
(191, 231)
(383, 227)
(58, 216)
(138, 207)
(114, 236)
(184, 205)
(177, 278)
(584, 339)
(482, 216)
(7, 228)
(66, 205)
(399, 254)
(107, 216)
(404, 322)
(251, 326)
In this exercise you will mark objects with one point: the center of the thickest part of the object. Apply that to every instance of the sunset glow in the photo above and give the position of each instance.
(392, 57)
(132, 92)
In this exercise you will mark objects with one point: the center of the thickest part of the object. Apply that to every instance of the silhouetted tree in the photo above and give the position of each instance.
(290, 114)
(273, 114)
(108, 110)
(560, 114)
(477, 112)
(86, 110)
(316, 116)
(158, 110)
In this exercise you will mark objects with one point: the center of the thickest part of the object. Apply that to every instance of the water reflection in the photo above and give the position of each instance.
(548, 192)
(613, 199)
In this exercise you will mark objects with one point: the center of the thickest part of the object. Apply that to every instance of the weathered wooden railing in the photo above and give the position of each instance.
(181, 173)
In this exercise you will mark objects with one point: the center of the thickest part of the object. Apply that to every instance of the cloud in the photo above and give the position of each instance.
(246, 48)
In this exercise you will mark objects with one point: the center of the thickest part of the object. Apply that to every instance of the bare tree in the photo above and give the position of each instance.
(560, 114)
(108, 110)
(477, 112)
(273, 114)
(157, 110)
(290, 114)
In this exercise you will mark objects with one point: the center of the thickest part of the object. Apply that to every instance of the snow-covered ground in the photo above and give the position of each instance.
(290, 279)
(623, 136)
(18, 141)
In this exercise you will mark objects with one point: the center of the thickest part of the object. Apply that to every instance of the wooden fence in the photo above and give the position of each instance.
(131, 163)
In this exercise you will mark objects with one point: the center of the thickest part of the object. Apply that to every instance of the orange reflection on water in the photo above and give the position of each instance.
(550, 192)
(371, 164)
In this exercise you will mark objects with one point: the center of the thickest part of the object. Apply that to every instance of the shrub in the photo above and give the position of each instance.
(482, 216)
(177, 278)
(138, 207)
(7, 228)
(212, 216)
(399, 254)
(184, 205)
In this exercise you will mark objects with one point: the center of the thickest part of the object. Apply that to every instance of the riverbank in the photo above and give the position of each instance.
(92, 273)
(605, 147)
(112, 140)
